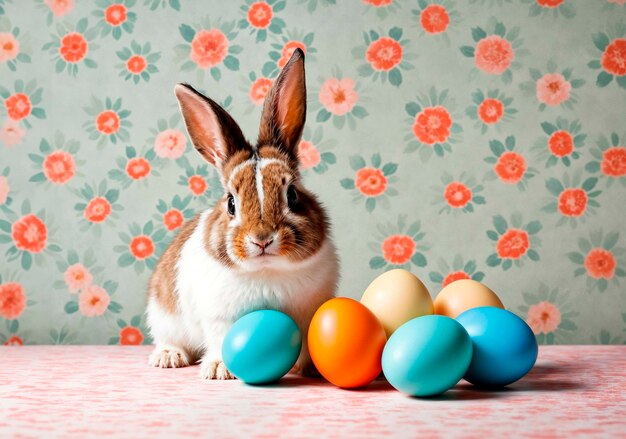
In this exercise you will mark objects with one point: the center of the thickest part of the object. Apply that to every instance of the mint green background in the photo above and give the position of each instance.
(563, 40)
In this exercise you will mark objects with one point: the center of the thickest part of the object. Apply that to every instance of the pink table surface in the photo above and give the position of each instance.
(89, 391)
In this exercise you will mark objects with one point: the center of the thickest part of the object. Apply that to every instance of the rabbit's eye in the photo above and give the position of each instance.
(292, 197)
(231, 205)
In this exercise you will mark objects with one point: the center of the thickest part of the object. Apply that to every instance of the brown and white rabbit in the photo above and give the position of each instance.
(265, 243)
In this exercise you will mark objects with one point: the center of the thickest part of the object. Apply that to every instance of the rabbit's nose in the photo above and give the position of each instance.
(262, 244)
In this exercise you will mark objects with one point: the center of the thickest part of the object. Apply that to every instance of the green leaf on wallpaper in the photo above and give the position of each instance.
(38, 177)
(576, 257)
(395, 33)
(478, 34)
(395, 77)
(419, 259)
(389, 169)
(500, 224)
(114, 307)
(533, 255)
(500, 29)
(135, 321)
(27, 260)
(231, 62)
(175, 4)
(39, 113)
(357, 162)
(187, 32)
(603, 79)
(347, 183)
(71, 307)
(590, 183)
(496, 147)
(554, 186)
(493, 260)
(370, 204)
(125, 260)
(359, 112)
(610, 240)
(600, 40)
(377, 262)
(467, 51)
(621, 81)
(412, 108)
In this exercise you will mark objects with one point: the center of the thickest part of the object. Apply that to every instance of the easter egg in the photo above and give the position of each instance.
(505, 348)
(427, 355)
(396, 297)
(346, 342)
(261, 347)
(464, 294)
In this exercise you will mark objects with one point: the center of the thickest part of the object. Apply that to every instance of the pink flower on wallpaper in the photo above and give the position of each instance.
(371, 182)
(115, 14)
(490, 110)
(9, 46)
(14, 340)
(561, 143)
(510, 167)
(513, 244)
(173, 219)
(377, 3)
(434, 19)
(614, 161)
(77, 277)
(12, 300)
(197, 185)
(600, 263)
(4, 189)
(93, 301)
(432, 125)
(130, 335)
(573, 202)
(614, 57)
(108, 122)
(209, 48)
(308, 155)
(74, 47)
(60, 7)
(59, 167)
(549, 3)
(170, 144)
(617, 2)
(454, 276)
(138, 168)
(97, 210)
(259, 90)
(136, 64)
(457, 194)
(260, 15)
(384, 54)
(141, 247)
(18, 106)
(12, 134)
(493, 54)
(544, 317)
(398, 249)
(30, 233)
(338, 95)
(553, 88)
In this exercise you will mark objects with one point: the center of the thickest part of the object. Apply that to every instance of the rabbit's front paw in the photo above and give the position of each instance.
(214, 370)
(168, 357)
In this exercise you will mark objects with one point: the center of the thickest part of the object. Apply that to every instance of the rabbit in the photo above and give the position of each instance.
(265, 244)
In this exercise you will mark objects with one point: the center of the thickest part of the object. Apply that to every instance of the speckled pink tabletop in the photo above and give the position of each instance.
(88, 391)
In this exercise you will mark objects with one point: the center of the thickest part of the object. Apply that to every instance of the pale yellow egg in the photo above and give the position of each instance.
(464, 294)
(396, 297)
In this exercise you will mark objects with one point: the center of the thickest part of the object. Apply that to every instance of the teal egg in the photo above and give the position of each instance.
(427, 355)
(505, 348)
(261, 347)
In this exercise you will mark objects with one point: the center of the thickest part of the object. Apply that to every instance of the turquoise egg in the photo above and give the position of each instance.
(505, 348)
(427, 355)
(261, 347)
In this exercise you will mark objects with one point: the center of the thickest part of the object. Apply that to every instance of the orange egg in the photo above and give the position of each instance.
(464, 294)
(346, 343)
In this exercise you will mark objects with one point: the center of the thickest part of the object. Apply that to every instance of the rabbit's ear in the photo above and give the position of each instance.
(213, 132)
(284, 110)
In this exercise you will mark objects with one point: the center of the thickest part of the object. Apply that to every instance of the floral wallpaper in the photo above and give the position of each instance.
(481, 139)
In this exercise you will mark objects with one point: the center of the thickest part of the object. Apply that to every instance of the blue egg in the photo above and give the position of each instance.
(427, 355)
(261, 347)
(505, 348)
